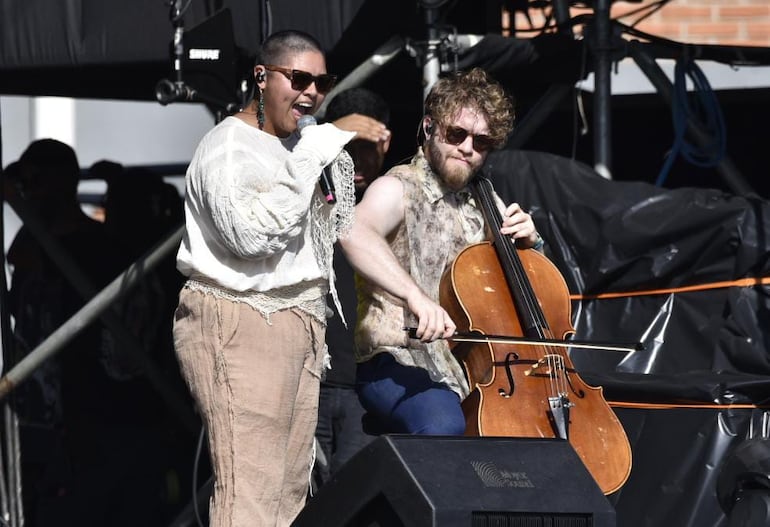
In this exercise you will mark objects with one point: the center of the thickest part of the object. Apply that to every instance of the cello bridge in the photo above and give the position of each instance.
(553, 364)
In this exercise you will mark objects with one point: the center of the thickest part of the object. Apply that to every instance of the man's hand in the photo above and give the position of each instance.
(518, 225)
(433, 321)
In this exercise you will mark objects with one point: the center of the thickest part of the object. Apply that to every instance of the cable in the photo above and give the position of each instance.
(703, 108)
(266, 20)
(645, 11)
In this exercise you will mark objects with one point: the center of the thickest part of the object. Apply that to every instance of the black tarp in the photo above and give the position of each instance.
(644, 244)
(699, 386)
(119, 50)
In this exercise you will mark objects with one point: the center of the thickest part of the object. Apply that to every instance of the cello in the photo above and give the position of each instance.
(494, 288)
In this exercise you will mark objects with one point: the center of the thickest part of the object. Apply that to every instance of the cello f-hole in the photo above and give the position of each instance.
(509, 358)
(579, 393)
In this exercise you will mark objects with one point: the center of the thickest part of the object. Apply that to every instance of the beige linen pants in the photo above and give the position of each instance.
(256, 386)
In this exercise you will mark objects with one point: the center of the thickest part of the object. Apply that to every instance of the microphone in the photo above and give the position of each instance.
(325, 180)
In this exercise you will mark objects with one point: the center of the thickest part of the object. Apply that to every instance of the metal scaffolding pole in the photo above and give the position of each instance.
(602, 34)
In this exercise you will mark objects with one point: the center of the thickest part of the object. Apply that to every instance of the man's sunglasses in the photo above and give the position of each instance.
(455, 135)
(302, 79)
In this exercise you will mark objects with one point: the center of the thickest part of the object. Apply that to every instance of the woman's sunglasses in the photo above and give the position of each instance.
(455, 135)
(302, 79)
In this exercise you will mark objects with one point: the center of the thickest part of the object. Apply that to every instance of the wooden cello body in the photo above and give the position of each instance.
(528, 391)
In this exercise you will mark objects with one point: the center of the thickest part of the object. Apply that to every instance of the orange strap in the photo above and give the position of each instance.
(668, 406)
(743, 282)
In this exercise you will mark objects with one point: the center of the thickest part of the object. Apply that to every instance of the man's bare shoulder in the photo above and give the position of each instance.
(382, 208)
(385, 184)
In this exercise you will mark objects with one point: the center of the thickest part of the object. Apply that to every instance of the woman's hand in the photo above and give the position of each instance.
(364, 127)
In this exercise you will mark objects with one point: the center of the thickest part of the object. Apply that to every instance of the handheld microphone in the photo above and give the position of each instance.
(325, 180)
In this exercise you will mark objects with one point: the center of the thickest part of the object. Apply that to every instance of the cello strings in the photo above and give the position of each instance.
(551, 358)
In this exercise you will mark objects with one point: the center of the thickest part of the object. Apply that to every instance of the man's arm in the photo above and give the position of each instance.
(378, 215)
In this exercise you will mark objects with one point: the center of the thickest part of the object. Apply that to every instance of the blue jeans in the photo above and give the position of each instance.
(405, 400)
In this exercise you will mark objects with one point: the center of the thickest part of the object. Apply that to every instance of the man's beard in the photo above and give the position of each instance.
(455, 176)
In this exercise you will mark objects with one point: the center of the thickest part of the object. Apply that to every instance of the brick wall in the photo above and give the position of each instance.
(726, 22)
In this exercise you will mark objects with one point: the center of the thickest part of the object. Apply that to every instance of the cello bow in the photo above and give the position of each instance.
(480, 338)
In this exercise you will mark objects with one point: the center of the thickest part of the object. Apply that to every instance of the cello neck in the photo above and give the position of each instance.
(530, 313)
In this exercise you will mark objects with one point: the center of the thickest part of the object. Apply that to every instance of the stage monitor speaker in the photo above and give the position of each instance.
(445, 481)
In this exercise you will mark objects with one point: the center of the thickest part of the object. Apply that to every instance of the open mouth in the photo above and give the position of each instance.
(303, 108)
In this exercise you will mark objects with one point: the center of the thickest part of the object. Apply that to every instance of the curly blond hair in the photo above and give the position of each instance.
(473, 89)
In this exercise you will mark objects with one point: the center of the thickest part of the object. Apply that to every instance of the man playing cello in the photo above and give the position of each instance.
(411, 224)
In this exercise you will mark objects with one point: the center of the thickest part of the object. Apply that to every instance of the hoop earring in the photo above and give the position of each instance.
(261, 110)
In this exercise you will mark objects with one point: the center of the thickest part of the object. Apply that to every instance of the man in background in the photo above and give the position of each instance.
(408, 229)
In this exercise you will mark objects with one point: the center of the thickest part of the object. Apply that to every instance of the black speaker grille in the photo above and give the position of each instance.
(517, 519)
